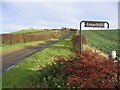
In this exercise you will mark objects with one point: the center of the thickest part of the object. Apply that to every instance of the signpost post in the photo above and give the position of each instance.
(95, 24)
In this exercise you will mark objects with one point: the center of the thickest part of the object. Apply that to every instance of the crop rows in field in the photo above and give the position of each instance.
(104, 40)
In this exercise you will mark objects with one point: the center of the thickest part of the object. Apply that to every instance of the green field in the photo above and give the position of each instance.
(104, 40)
(35, 31)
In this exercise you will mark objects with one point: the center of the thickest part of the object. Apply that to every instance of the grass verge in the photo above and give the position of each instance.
(6, 48)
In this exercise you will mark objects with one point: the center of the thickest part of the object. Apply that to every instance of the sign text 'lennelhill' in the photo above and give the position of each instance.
(94, 24)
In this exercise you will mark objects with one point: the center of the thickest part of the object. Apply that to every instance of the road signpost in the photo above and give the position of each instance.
(97, 24)
(94, 24)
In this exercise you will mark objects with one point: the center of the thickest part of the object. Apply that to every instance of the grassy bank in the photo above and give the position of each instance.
(32, 67)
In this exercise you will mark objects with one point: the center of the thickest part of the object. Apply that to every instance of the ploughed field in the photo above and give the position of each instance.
(103, 40)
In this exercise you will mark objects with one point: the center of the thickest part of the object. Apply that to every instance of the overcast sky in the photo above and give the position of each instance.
(20, 15)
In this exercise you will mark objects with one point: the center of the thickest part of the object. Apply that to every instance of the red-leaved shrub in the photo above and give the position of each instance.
(76, 40)
(88, 70)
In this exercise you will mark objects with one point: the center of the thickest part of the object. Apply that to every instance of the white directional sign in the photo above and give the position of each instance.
(94, 24)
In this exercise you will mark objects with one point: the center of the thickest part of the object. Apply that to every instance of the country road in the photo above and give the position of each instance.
(11, 59)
